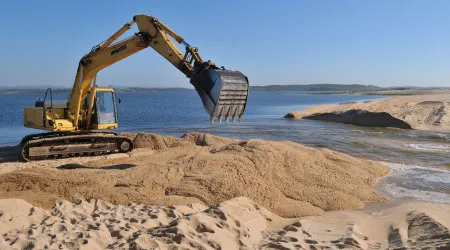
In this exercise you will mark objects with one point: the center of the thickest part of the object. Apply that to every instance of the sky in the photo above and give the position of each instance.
(384, 43)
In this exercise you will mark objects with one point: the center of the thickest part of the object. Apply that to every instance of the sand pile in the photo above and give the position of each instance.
(288, 178)
(154, 141)
(100, 225)
(235, 224)
(431, 112)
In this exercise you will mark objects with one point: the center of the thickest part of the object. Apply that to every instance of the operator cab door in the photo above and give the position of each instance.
(104, 111)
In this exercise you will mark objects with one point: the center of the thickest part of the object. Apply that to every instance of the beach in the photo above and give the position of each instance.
(207, 192)
(154, 125)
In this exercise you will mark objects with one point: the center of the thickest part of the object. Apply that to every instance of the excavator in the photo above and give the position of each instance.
(81, 125)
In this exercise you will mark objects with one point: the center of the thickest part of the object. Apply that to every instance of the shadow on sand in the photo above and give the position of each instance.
(78, 166)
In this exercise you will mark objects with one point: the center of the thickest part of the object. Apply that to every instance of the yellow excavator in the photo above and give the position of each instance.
(79, 125)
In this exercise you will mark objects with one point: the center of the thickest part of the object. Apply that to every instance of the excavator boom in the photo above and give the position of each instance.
(223, 92)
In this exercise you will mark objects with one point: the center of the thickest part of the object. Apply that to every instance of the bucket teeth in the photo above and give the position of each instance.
(227, 119)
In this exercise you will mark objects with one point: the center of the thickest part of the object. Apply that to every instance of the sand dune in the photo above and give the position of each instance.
(430, 112)
(288, 178)
(238, 223)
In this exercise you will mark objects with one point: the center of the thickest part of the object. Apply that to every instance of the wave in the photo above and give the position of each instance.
(369, 132)
(440, 136)
(430, 147)
(423, 195)
(436, 136)
(421, 183)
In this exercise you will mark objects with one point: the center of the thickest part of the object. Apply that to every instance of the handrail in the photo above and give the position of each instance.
(51, 102)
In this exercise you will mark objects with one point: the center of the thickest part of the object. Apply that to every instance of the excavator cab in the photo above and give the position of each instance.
(223, 92)
(104, 109)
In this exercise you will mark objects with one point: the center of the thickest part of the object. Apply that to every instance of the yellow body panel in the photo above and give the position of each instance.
(54, 114)
(105, 126)
(54, 119)
(63, 125)
(58, 120)
(32, 117)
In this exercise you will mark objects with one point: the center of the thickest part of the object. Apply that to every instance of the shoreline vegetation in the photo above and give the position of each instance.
(324, 89)
(68, 90)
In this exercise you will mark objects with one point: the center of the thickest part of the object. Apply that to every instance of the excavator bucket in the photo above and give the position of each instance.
(223, 92)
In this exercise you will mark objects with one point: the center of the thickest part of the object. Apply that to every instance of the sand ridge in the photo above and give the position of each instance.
(429, 112)
(287, 178)
(238, 223)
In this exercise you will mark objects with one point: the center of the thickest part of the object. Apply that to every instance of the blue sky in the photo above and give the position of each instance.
(385, 43)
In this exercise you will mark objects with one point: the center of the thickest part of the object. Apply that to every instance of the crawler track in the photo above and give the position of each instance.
(58, 145)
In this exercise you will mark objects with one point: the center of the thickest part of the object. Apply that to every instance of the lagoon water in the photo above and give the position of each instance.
(179, 111)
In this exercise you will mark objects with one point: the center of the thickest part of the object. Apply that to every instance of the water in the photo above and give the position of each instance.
(429, 184)
(181, 111)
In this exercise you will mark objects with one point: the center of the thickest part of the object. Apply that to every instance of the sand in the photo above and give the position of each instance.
(238, 223)
(289, 179)
(207, 192)
(428, 112)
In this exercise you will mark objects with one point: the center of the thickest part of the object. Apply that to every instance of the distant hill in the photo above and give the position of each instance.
(313, 88)
(25, 87)
(316, 87)
(32, 90)
(138, 89)
(67, 90)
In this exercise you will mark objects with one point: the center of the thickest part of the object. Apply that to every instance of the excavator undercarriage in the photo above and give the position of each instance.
(62, 145)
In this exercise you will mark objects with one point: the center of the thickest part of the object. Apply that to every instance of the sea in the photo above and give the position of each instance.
(420, 159)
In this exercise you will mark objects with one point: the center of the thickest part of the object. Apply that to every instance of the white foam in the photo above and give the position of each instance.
(362, 131)
(400, 192)
(443, 136)
(422, 183)
(431, 147)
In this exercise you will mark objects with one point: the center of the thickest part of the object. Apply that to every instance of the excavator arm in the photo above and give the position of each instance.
(223, 92)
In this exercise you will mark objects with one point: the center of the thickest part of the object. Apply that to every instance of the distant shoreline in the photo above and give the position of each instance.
(320, 89)
(67, 91)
